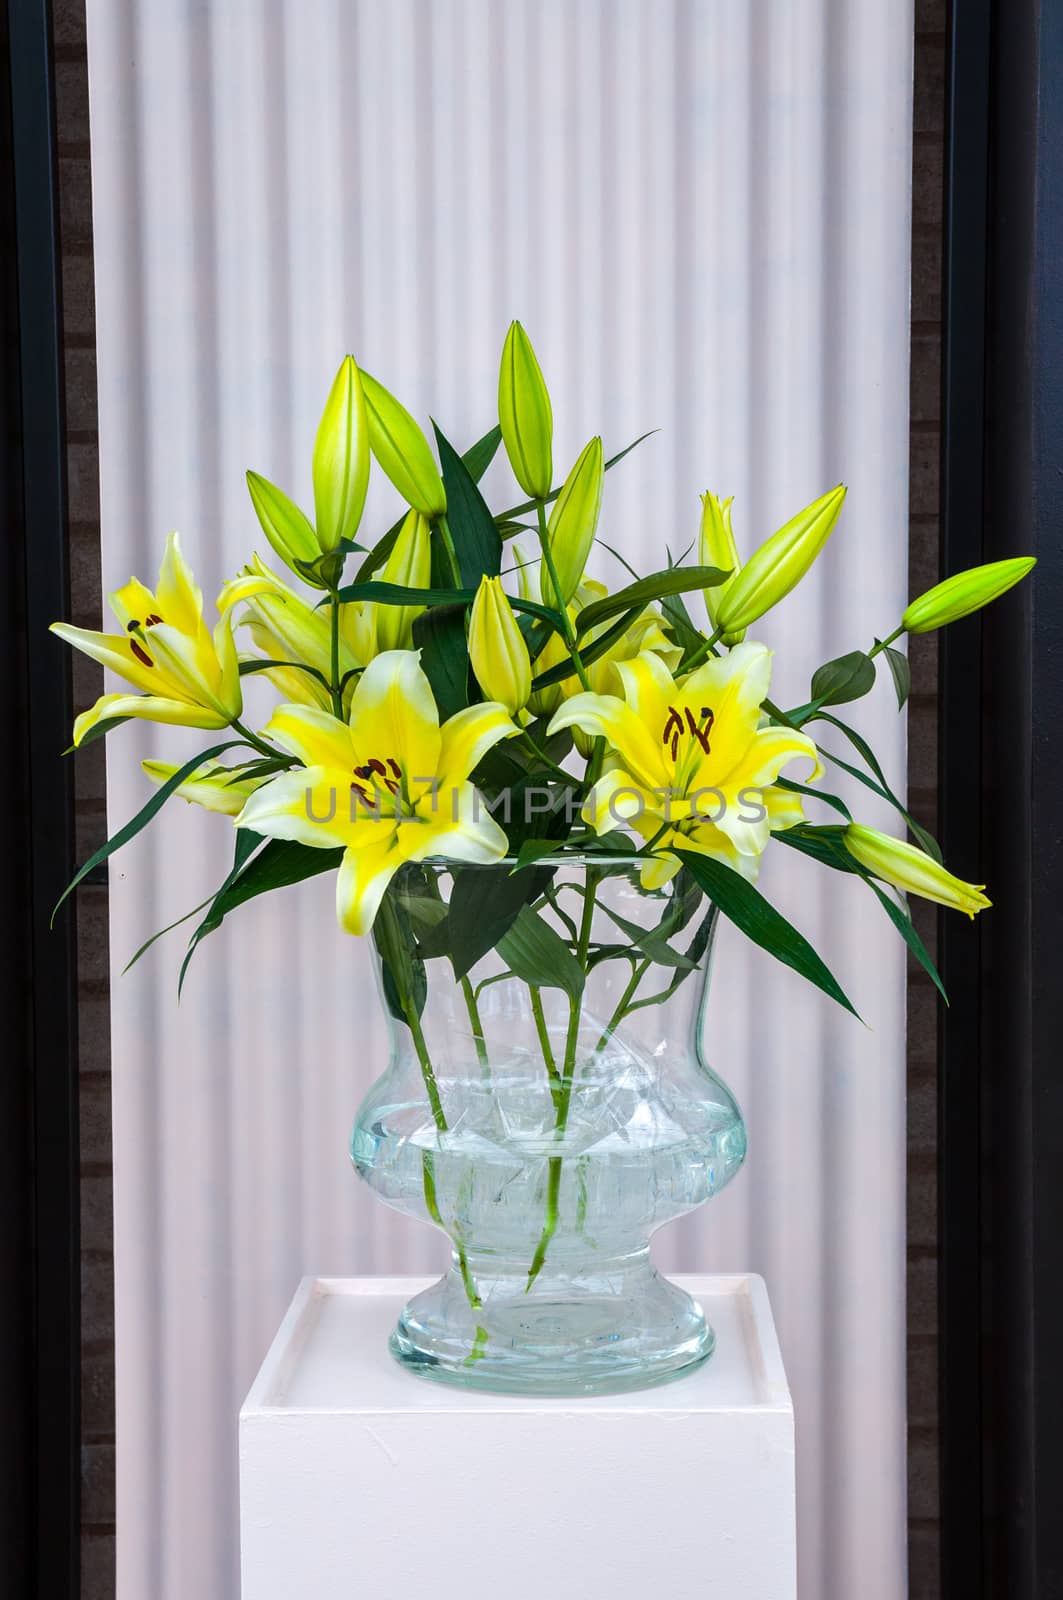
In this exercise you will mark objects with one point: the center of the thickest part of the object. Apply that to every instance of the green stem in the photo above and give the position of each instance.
(638, 972)
(387, 934)
(564, 1097)
(881, 644)
(542, 756)
(704, 649)
(544, 1043)
(477, 1027)
(335, 688)
(253, 739)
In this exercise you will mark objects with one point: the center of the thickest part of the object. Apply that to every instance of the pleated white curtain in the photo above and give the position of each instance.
(700, 211)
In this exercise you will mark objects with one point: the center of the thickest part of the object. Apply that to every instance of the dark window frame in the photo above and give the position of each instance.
(39, 1261)
(1001, 702)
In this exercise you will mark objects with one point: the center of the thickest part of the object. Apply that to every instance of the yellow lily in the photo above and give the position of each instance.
(214, 787)
(410, 565)
(525, 414)
(691, 766)
(573, 523)
(341, 459)
(403, 451)
(497, 648)
(284, 628)
(717, 548)
(185, 674)
(389, 787)
(779, 564)
(963, 593)
(911, 870)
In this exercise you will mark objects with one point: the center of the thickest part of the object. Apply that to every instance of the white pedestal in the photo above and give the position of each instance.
(358, 1478)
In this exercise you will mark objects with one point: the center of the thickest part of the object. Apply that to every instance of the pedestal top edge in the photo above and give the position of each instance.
(310, 1371)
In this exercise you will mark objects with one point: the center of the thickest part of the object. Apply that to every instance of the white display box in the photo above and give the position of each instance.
(357, 1477)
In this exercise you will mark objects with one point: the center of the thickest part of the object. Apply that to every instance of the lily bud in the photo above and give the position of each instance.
(968, 591)
(779, 564)
(912, 870)
(341, 459)
(573, 524)
(287, 529)
(717, 548)
(525, 415)
(409, 564)
(214, 787)
(497, 649)
(403, 451)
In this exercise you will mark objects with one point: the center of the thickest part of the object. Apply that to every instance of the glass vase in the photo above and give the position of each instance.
(548, 1106)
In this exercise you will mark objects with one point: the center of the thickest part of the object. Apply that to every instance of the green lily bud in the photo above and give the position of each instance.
(341, 459)
(525, 415)
(409, 564)
(497, 649)
(968, 591)
(403, 451)
(912, 870)
(573, 524)
(779, 564)
(717, 548)
(287, 529)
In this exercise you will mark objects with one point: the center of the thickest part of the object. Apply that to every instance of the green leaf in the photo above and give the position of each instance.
(397, 594)
(477, 458)
(907, 930)
(484, 904)
(530, 505)
(860, 744)
(282, 862)
(650, 941)
(832, 800)
(439, 634)
(170, 926)
(472, 527)
(590, 654)
(673, 580)
(247, 667)
(144, 816)
(404, 978)
(533, 850)
(846, 678)
(533, 951)
(747, 908)
(480, 455)
(901, 674)
(826, 846)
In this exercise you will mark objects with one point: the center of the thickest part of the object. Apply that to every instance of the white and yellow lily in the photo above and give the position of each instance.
(185, 674)
(691, 767)
(284, 628)
(388, 787)
(214, 787)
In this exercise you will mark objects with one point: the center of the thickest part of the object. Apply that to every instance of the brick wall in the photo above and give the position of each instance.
(923, 1525)
(97, 1244)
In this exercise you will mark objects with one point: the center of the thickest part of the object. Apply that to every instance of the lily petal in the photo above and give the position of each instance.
(393, 714)
(316, 737)
(466, 737)
(152, 708)
(311, 807)
(365, 872)
(180, 597)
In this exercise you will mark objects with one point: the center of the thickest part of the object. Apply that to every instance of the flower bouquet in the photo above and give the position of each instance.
(539, 797)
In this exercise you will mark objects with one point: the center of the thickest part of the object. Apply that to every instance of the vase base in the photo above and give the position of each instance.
(556, 1340)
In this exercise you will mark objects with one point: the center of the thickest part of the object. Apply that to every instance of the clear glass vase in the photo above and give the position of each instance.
(549, 1109)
